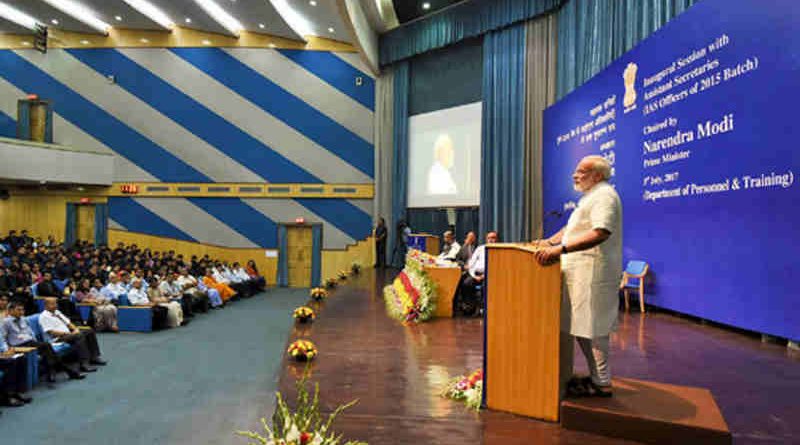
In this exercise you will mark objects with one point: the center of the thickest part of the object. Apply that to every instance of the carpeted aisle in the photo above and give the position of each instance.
(192, 385)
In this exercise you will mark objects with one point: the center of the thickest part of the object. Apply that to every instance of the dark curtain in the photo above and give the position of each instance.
(435, 221)
(592, 33)
(468, 19)
(100, 224)
(71, 229)
(400, 149)
(316, 254)
(503, 139)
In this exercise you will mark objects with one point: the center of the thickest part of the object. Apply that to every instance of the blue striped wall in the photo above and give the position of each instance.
(211, 115)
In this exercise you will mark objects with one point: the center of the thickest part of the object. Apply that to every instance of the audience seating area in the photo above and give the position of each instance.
(124, 288)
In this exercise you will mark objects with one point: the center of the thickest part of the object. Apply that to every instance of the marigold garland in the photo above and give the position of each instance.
(411, 297)
(302, 350)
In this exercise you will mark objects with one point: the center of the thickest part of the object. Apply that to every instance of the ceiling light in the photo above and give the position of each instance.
(312, 2)
(144, 40)
(330, 29)
(261, 25)
(84, 42)
(81, 13)
(206, 42)
(221, 16)
(54, 21)
(299, 24)
(152, 12)
(118, 18)
(272, 45)
(426, 5)
(17, 16)
(26, 43)
(187, 20)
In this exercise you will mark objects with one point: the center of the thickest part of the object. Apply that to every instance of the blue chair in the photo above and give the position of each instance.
(60, 284)
(33, 322)
(633, 279)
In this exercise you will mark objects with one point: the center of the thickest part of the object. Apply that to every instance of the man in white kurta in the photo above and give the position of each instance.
(590, 250)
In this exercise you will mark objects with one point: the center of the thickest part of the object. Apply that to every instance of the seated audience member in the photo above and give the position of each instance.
(174, 309)
(225, 291)
(47, 288)
(450, 248)
(171, 290)
(201, 299)
(19, 333)
(470, 300)
(114, 289)
(252, 270)
(3, 308)
(105, 313)
(241, 275)
(58, 328)
(12, 383)
(467, 249)
(222, 274)
(137, 296)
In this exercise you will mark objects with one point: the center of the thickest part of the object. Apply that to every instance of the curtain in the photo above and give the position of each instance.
(503, 133)
(435, 221)
(100, 224)
(71, 229)
(592, 33)
(540, 92)
(316, 254)
(467, 19)
(384, 116)
(283, 260)
(400, 151)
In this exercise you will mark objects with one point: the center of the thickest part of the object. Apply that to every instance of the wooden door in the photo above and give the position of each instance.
(299, 250)
(85, 223)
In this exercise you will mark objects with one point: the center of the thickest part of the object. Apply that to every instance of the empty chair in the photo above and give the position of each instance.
(633, 279)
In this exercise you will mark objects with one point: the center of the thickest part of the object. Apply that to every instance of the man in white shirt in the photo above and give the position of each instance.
(113, 289)
(200, 299)
(450, 248)
(58, 328)
(137, 296)
(469, 300)
(590, 250)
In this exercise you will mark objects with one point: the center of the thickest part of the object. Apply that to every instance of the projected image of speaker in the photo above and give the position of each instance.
(445, 157)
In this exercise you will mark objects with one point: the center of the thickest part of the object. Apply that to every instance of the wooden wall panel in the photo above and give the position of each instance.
(334, 261)
(41, 214)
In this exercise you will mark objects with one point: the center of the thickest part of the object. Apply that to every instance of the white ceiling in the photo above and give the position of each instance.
(251, 13)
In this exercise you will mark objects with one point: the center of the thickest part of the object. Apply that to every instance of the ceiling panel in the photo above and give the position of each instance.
(108, 10)
(179, 10)
(408, 10)
(7, 27)
(253, 13)
(323, 16)
(45, 13)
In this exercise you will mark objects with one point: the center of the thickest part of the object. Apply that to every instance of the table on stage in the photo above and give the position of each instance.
(424, 242)
(446, 279)
(522, 316)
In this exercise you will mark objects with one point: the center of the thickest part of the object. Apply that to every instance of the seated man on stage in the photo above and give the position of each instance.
(469, 299)
(59, 329)
(450, 248)
(467, 249)
(590, 250)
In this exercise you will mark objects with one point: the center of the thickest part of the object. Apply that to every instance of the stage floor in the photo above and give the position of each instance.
(397, 372)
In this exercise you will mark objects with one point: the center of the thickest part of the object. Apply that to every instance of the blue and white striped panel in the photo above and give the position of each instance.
(212, 115)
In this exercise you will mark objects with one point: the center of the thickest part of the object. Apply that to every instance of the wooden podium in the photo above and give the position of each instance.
(424, 242)
(522, 321)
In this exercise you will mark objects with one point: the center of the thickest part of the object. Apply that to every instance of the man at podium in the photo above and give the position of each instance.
(590, 250)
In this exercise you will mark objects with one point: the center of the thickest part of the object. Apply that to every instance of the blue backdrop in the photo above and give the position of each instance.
(698, 122)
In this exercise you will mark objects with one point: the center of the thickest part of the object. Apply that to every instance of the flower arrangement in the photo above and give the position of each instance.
(304, 426)
(418, 258)
(318, 293)
(302, 350)
(466, 388)
(355, 268)
(304, 314)
(411, 297)
(330, 283)
(343, 274)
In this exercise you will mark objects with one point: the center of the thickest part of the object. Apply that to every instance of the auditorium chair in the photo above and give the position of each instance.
(633, 279)
(61, 349)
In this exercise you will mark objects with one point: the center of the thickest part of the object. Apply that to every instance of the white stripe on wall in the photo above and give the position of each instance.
(282, 211)
(354, 60)
(247, 116)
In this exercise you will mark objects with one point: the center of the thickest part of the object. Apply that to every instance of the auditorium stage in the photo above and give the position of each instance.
(396, 373)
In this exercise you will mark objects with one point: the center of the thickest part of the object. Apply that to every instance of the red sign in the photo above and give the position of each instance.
(33, 96)
(129, 189)
(85, 200)
(300, 220)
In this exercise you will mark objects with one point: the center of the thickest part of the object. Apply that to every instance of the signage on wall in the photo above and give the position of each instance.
(129, 189)
(300, 220)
